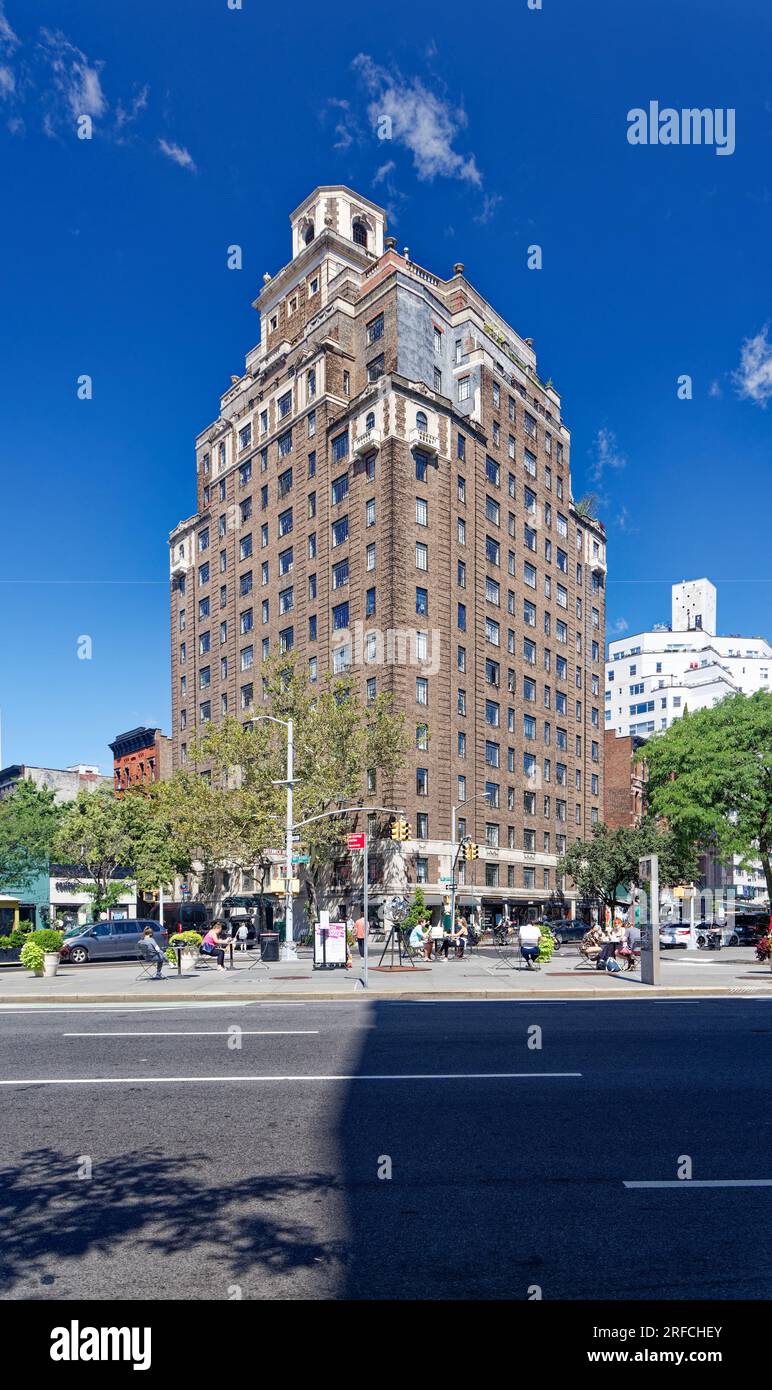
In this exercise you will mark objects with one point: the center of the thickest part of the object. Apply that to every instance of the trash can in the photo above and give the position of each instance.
(269, 945)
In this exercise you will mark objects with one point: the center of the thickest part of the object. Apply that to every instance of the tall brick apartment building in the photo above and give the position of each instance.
(386, 490)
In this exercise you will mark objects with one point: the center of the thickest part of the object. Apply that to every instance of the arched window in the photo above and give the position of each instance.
(370, 421)
(421, 422)
(359, 232)
(309, 234)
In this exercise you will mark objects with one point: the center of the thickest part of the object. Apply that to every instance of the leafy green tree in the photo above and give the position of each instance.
(418, 912)
(95, 834)
(710, 778)
(229, 814)
(224, 808)
(337, 739)
(157, 854)
(610, 858)
(29, 817)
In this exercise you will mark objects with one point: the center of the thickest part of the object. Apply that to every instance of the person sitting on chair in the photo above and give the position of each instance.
(151, 951)
(213, 944)
(591, 943)
(530, 939)
(632, 947)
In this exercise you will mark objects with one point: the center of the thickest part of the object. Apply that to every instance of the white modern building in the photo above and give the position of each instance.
(652, 677)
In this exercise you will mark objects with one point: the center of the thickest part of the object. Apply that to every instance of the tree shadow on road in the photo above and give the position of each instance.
(157, 1206)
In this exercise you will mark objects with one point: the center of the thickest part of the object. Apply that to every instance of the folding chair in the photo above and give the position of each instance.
(148, 962)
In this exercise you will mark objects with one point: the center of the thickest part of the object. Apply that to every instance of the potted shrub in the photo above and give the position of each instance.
(190, 941)
(32, 957)
(546, 943)
(50, 942)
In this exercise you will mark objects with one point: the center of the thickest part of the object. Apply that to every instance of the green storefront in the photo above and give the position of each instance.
(26, 902)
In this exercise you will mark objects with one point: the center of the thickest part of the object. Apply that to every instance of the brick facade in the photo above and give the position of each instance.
(140, 756)
(624, 793)
(417, 417)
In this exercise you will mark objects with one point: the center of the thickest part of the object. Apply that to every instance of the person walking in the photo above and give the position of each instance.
(632, 946)
(213, 944)
(360, 933)
(150, 949)
(242, 936)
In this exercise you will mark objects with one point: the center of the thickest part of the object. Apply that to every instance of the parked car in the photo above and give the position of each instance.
(676, 934)
(567, 930)
(109, 940)
(249, 910)
(184, 916)
(748, 928)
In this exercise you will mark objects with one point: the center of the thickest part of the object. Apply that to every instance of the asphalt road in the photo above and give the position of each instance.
(186, 1160)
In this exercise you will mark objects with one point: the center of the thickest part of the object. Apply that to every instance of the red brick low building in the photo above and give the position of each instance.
(624, 791)
(141, 756)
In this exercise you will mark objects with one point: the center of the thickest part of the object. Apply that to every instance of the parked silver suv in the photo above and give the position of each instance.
(109, 940)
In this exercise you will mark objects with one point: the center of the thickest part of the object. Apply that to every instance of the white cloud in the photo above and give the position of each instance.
(420, 120)
(179, 154)
(714, 390)
(7, 35)
(753, 377)
(8, 43)
(605, 454)
(381, 173)
(489, 204)
(346, 126)
(76, 88)
(126, 115)
(619, 626)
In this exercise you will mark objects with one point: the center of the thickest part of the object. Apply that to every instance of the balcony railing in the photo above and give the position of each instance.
(367, 441)
(422, 439)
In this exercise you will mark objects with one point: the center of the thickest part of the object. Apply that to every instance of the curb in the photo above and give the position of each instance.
(445, 996)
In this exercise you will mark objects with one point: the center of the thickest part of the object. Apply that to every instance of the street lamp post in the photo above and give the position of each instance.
(365, 909)
(288, 951)
(454, 853)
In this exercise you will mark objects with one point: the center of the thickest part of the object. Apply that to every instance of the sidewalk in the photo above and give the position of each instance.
(483, 975)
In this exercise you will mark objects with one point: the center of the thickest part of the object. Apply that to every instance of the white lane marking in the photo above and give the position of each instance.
(706, 1182)
(206, 1033)
(532, 999)
(41, 1009)
(194, 1080)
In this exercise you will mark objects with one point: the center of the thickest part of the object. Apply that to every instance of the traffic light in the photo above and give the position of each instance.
(471, 851)
(400, 829)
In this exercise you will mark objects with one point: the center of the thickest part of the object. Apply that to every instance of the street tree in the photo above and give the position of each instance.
(29, 817)
(156, 853)
(95, 835)
(710, 778)
(222, 809)
(338, 739)
(609, 860)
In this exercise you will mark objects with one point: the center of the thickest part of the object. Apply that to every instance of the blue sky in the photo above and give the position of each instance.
(510, 129)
